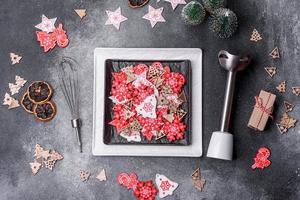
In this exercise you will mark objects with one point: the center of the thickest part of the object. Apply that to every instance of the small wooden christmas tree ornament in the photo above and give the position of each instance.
(282, 129)
(275, 53)
(296, 90)
(255, 36)
(281, 87)
(288, 106)
(271, 71)
(196, 174)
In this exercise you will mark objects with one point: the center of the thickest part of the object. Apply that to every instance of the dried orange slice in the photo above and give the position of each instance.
(27, 104)
(45, 112)
(39, 92)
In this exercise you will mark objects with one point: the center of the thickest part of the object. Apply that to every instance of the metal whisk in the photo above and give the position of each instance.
(68, 80)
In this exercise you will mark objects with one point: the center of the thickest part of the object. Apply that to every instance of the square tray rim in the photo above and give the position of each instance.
(194, 150)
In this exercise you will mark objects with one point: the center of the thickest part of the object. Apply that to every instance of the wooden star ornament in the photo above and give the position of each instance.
(15, 58)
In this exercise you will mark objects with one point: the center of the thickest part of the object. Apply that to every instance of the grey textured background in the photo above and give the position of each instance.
(277, 20)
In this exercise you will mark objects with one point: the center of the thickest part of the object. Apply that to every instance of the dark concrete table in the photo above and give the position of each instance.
(277, 20)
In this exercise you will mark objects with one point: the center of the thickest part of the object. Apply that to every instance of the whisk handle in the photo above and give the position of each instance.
(76, 125)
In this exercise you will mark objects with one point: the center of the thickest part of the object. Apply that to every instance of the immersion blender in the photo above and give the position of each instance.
(221, 142)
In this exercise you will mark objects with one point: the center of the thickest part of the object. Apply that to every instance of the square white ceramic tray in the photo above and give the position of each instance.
(192, 54)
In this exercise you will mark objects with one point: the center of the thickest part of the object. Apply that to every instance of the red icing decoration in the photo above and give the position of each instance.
(129, 181)
(261, 160)
(49, 40)
(157, 65)
(120, 124)
(140, 68)
(165, 185)
(61, 36)
(145, 190)
(174, 130)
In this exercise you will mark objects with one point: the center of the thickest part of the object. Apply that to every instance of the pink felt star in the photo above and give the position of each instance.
(175, 3)
(115, 18)
(154, 15)
(47, 25)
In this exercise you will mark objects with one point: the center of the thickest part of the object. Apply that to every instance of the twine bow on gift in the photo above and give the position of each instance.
(259, 104)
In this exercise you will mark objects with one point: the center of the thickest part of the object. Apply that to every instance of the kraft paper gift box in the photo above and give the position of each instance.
(262, 110)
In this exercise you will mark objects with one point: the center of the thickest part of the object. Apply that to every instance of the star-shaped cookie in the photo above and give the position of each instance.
(154, 15)
(47, 25)
(115, 18)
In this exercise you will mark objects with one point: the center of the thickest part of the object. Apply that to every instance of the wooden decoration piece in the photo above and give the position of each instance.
(275, 53)
(35, 167)
(80, 12)
(135, 126)
(271, 71)
(255, 36)
(130, 77)
(128, 104)
(196, 174)
(14, 104)
(296, 90)
(282, 129)
(181, 113)
(55, 156)
(281, 87)
(102, 176)
(158, 81)
(161, 100)
(199, 184)
(182, 97)
(287, 121)
(153, 72)
(39, 152)
(128, 114)
(288, 106)
(84, 175)
(160, 134)
(15, 58)
(172, 108)
(49, 164)
(10, 101)
(169, 117)
(166, 89)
